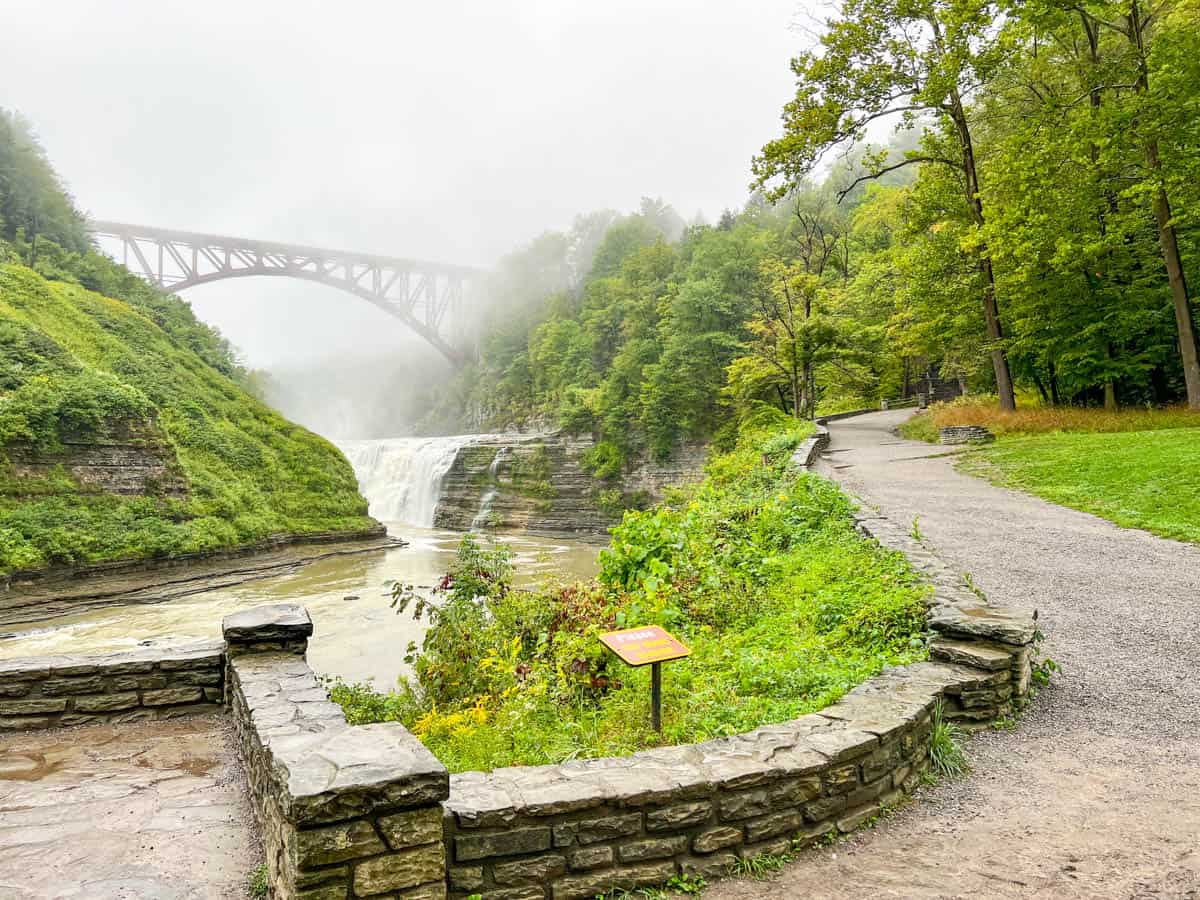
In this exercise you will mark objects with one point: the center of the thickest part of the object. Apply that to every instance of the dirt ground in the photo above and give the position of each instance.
(1096, 792)
(147, 810)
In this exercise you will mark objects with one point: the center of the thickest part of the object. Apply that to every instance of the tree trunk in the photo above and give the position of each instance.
(991, 309)
(1179, 290)
(782, 399)
(1110, 384)
(991, 317)
(1041, 387)
(1110, 395)
(1166, 230)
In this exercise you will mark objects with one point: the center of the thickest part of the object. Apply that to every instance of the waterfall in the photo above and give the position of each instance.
(489, 496)
(402, 477)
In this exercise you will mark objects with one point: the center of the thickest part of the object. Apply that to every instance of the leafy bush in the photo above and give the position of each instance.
(604, 461)
(758, 568)
(80, 404)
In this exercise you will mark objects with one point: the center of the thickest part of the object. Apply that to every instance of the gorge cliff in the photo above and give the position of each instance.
(540, 484)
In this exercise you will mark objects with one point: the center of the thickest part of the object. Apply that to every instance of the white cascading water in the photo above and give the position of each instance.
(489, 496)
(402, 477)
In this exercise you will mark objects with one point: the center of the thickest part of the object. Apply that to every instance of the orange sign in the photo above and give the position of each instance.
(645, 645)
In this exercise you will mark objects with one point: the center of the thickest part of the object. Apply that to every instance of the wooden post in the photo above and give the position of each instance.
(656, 696)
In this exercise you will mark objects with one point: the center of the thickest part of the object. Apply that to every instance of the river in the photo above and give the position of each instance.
(357, 635)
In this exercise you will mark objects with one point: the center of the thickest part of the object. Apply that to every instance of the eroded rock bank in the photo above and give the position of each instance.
(34, 596)
(541, 484)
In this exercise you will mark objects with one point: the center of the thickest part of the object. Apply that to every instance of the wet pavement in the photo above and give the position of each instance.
(144, 810)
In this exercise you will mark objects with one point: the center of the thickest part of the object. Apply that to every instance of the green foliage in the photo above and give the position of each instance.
(81, 404)
(1071, 131)
(1043, 670)
(760, 867)
(675, 885)
(947, 759)
(920, 428)
(258, 885)
(758, 568)
(33, 203)
(79, 365)
(603, 461)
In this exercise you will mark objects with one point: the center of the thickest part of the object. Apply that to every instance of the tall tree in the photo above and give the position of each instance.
(1137, 24)
(896, 58)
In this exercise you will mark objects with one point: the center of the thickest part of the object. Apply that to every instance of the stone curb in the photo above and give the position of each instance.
(151, 683)
(805, 455)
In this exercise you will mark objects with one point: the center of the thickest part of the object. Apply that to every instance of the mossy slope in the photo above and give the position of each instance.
(75, 364)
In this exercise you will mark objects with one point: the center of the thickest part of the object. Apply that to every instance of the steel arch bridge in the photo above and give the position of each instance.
(427, 297)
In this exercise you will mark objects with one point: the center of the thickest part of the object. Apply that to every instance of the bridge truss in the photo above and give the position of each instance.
(427, 297)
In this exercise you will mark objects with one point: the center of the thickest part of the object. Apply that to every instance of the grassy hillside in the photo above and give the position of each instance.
(77, 364)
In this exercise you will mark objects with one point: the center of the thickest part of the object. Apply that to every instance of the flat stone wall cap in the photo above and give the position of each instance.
(999, 623)
(352, 772)
(875, 714)
(100, 663)
(479, 800)
(279, 621)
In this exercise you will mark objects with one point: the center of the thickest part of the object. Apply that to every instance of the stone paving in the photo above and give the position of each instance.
(154, 810)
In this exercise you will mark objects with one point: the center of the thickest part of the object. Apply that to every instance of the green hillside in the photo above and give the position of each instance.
(79, 366)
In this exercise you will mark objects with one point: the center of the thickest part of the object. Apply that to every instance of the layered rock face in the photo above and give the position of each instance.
(539, 484)
(131, 460)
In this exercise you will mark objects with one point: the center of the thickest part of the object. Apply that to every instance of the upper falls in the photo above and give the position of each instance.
(402, 477)
(533, 483)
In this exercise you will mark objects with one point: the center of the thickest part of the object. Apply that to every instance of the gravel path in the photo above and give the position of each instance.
(1096, 793)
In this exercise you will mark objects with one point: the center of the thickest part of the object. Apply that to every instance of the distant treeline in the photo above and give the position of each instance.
(1032, 229)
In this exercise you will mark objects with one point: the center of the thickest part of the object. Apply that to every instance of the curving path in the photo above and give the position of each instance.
(1096, 794)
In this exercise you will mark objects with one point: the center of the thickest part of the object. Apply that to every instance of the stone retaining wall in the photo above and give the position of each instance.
(46, 692)
(346, 812)
(583, 828)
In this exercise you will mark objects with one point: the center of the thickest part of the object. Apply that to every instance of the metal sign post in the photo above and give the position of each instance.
(652, 646)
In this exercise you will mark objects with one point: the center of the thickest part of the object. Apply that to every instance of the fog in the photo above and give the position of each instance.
(448, 131)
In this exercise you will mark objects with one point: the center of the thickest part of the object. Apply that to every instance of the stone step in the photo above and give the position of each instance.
(1005, 624)
(978, 654)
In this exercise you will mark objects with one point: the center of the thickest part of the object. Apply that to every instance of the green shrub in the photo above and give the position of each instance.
(758, 569)
(947, 759)
(604, 461)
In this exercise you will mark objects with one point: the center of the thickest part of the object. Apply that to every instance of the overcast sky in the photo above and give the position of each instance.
(442, 130)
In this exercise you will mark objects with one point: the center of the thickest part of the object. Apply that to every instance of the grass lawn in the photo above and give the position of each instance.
(1138, 479)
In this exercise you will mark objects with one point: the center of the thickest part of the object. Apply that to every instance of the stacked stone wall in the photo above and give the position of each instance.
(47, 692)
(345, 812)
(584, 828)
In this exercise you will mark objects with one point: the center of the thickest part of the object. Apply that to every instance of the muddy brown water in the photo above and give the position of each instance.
(357, 636)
